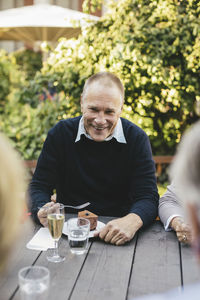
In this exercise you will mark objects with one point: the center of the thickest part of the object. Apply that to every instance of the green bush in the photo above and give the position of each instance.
(153, 46)
(10, 78)
(27, 126)
(29, 61)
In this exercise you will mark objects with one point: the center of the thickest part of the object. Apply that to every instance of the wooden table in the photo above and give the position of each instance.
(152, 262)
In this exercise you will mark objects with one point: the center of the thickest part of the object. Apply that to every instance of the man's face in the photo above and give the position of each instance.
(101, 109)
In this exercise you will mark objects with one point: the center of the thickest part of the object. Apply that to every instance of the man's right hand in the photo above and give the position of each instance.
(44, 210)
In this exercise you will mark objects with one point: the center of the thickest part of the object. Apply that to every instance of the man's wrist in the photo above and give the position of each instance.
(135, 219)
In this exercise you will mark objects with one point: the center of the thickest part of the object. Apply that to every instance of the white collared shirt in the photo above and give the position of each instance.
(118, 132)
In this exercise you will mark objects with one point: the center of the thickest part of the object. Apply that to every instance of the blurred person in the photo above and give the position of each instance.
(102, 159)
(171, 214)
(12, 197)
(185, 173)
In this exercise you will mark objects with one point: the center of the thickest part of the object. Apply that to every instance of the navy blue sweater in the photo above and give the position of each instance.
(115, 178)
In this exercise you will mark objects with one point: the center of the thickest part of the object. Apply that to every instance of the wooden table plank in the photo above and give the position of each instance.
(148, 264)
(156, 265)
(190, 266)
(106, 272)
(20, 258)
(63, 275)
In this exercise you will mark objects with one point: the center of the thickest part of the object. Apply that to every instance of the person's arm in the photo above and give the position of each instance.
(171, 215)
(46, 174)
(169, 207)
(143, 196)
(143, 191)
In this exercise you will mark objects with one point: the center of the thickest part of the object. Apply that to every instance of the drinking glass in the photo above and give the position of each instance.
(56, 219)
(34, 283)
(78, 231)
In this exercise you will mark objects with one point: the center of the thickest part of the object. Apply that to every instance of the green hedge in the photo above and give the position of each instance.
(10, 78)
(153, 46)
(29, 61)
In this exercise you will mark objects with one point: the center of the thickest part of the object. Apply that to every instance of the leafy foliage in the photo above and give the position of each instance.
(90, 6)
(27, 127)
(10, 77)
(153, 46)
(29, 61)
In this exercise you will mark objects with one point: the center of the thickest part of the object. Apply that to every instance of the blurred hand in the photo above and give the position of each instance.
(53, 197)
(183, 230)
(49, 207)
(122, 230)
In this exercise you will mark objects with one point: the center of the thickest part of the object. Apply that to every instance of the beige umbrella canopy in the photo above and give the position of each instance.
(41, 22)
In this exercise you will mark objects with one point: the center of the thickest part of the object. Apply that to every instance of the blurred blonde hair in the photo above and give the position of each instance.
(185, 170)
(12, 197)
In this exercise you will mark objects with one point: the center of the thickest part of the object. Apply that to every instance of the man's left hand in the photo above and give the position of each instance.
(122, 230)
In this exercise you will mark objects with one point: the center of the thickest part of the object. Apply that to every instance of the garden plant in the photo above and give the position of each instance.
(153, 46)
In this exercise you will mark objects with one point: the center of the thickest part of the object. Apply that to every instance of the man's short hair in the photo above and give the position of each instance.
(105, 78)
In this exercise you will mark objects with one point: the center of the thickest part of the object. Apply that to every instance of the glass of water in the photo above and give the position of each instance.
(78, 232)
(34, 283)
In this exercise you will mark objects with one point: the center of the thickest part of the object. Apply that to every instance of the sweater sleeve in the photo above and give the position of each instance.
(143, 191)
(46, 174)
(169, 205)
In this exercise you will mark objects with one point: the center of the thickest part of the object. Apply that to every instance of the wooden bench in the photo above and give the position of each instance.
(160, 161)
(30, 165)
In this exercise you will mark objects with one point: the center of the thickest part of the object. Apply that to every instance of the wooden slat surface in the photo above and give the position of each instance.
(150, 263)
(190, 266)
(106, 272)
(163, 159)
(21, 257)
(159, 161)
(157, 158)
(156, 265)
(63, 275)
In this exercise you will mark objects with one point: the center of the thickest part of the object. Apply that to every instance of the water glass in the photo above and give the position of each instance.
(34, 283)
(78, 232)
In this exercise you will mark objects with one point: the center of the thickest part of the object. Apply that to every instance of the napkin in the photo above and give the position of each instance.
(41, 241)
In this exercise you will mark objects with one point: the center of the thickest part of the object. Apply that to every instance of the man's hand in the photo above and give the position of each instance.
(122, 230)
(53, 197)
(49, 207)
(183, 230)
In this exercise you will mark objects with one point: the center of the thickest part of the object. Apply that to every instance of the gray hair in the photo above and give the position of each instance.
(105, 78)
(185, 169)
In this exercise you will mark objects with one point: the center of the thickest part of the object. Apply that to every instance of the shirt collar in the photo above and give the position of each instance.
(118, 132)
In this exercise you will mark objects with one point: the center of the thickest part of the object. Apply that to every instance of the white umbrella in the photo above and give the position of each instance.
(41, 22)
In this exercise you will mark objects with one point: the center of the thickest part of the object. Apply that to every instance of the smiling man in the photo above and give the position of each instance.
(101, 106)
(101, 158)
